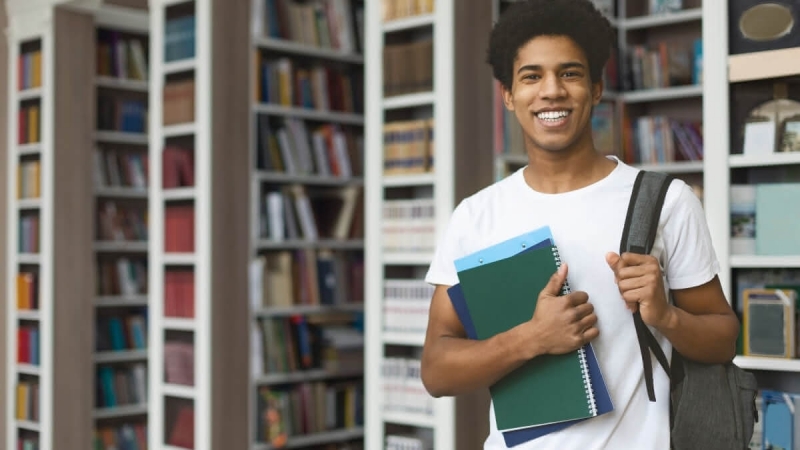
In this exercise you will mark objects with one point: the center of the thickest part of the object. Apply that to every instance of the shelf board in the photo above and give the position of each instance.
(120, 411)
(121, 84)
(351, 244)
(308, 375)
(320, 438)
(120, 246)
(673, 167)
(309, 179)
(29, 94)
(309, 114)
(181, 129)
(298, 48)
(657, 20)
(28, 369)
(121, 137)
(27, 425)
(121, 192)
(178, 323)
(408, 23)
(409, 100)
(278, 311)
(29, 203)
(29, 314)
(116, 356)
(412, 179)
(181, 65)
(763, 65)
(765, 262)
(409, 339)
(407, 258)
(770, 159)
(179, 259)
(411, 419)
(178, 390)
(29, 149)
(178, 194)
(662, 94)
(768, 364)
(113, 301)
(28, 258)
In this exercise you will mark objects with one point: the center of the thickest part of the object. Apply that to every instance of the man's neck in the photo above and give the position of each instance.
(556, 173)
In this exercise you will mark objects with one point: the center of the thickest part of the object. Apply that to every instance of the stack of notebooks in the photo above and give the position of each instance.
(497, 290)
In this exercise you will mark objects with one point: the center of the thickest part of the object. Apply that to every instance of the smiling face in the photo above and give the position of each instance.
(552, 94)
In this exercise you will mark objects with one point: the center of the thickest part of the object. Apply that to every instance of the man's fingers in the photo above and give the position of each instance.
(583, 310)
(576, 298)
(553, 286)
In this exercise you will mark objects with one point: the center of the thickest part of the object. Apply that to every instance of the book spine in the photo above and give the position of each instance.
(587, 381)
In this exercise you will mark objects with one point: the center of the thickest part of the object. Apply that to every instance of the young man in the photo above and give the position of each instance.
(549, 56)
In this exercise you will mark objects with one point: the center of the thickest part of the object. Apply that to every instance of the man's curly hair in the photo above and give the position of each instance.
(526, 19)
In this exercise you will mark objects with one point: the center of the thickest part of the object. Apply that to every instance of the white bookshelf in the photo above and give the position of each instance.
(268, 176)
(27, 29)
(444, 184)
(120, 84)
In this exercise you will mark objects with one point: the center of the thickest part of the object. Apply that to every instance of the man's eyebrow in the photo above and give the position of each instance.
(566, 65)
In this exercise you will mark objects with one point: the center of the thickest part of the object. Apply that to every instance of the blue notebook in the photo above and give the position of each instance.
(526, 242)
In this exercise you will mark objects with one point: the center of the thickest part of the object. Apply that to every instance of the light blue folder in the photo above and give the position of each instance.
(504, 249)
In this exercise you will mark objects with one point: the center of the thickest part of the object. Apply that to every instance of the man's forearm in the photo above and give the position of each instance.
(453, 365)
(709, 338)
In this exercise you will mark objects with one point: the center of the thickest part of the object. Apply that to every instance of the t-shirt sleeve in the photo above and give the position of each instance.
(691, 258)
(448, 248)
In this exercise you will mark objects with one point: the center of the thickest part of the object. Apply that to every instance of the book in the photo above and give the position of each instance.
(506, 278)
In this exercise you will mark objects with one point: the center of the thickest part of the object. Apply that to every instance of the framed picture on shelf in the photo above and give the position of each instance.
(790, 134)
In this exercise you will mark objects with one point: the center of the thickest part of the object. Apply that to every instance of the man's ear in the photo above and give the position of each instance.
(597, 91)
(508, 98)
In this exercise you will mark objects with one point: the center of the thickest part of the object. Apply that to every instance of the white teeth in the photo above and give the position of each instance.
(552, 115)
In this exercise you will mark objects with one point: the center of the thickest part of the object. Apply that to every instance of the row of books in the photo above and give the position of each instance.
(118, 221)
(177, 104)
(179, 293)
(121, 385)
(308, 408)
(29, 179)
(300, 212)
(27, 406)
(334, 24)
(28, 233)
(28, 126)
(121, 56)
(288, 82)
(126, 436)
(403, 390)
(421, 440)
(398, 9)
(121, 331)
(27, 290)
(179, 228)
(665, 64)
(177, 168)
(405, 305)
(28, 344)
(408, 67)
(121, 276)
(28, 443)
(29, 69)
(116, 113)
(289, 278)
(760, 218)
(179, 38)
(408, 224)
(121, 168)
(660, 139)
(288, 145)
(179, 362)
(408, 147)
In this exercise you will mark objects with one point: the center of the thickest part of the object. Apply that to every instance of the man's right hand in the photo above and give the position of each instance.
(562, 323)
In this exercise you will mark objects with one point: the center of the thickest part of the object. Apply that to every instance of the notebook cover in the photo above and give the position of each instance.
(516, 437)
(505, 249)
(511, 285)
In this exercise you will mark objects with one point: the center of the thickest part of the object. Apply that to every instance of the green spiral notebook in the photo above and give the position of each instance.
(548, 389)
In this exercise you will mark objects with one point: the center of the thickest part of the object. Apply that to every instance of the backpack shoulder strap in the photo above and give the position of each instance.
(638, 236)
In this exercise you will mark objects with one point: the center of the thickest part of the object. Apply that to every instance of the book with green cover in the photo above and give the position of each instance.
(548, 389)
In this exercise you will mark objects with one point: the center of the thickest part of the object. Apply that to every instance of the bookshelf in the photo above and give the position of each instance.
(423, 110)
(307, 224)
(198, 246)
(120, 179)
(636, 98)
(48, 223)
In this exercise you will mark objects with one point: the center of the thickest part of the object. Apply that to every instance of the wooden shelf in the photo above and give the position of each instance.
(662, 94)
(409, 100)
(121, 137)
(408, 23)
(324, 437)
(673, 167)
(771, 159)
(763, 65)
(764, 262)
(659, 20)
(121, 84)
(414, 179)
(298, 48)
(307, 179)
(334, 244)
(309, 114)
(767, 364)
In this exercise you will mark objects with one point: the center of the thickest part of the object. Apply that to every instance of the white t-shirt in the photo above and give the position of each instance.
(586, 224)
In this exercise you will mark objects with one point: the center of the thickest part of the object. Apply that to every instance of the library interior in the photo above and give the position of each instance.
(258, 190)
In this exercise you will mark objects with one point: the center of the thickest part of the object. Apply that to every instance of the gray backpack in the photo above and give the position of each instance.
(712, 405)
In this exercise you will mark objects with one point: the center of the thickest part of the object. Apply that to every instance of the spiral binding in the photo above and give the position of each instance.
(587, 381)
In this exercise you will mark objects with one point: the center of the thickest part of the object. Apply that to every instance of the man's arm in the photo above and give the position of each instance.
(453, 364)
